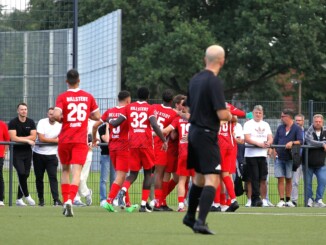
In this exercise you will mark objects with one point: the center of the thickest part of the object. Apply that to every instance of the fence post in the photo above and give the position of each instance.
(75, 36)
(305, 171)
(11, 164)
(311, 111)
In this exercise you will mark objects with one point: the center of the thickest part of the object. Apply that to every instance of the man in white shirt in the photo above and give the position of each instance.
(257, 133)
(45, 157)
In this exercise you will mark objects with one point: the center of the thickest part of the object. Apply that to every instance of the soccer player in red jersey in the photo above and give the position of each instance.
(4, 136)
(181, 125)
(164, 115)
(228, 153)
(172, 159)
(118, 146)
(73, 108)
(141, 117)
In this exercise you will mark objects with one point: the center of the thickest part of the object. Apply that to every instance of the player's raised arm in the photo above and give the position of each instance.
(116, 122)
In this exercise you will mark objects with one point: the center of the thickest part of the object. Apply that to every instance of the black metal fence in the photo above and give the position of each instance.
(93, 182)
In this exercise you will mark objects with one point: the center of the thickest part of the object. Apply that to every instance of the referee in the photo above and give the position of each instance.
(207, 107)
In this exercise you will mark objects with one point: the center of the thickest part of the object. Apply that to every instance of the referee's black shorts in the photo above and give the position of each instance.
(203, 151)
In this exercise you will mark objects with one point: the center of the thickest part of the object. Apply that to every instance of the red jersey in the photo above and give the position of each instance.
(164, 115)
(140, 131)
(225, 134)
(235, 111)
(4, 136)
(182, 126)
(76, 106)
(118, 135)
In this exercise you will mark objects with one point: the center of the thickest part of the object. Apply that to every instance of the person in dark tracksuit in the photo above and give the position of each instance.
(23, 130)
(316, 136)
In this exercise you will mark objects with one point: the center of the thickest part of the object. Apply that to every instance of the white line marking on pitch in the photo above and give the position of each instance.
(286, 214)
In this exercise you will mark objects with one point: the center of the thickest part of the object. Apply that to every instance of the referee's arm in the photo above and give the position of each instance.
(224, 115)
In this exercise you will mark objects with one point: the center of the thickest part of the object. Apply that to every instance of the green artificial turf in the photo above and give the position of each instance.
(94, 225)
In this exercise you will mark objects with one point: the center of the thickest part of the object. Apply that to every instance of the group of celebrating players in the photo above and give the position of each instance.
(134, 127)
(142, 136)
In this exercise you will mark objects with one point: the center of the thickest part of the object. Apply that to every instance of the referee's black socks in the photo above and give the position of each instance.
(205, 202)
(194, 195)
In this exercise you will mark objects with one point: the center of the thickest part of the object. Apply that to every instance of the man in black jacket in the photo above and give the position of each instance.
(23, 130)
(316, 136)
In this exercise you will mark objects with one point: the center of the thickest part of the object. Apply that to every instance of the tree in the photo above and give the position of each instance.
(264, 38)
(163, 41)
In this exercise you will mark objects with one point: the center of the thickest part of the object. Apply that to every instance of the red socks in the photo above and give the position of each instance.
(128, 203)
(145, 194)
(223, 199)
(181, 199)
(158, 196)
(73, 192)
(229, 186)
(217, 198)
(126, 185)
(65, 190)
(115, 188)
(69, 192)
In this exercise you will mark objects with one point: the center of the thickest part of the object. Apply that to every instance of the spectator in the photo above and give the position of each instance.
(45, 157)
(288, 134)
(73, 108)
(4, 136)
(297, 174)
(105, 161)
(257, 133)
(316, 136)
(247, 185)
(23, 130)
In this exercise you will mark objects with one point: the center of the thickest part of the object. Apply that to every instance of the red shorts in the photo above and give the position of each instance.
(120, 160)
(172, 162)
(228, 160)
(72, 153)
(160, 157)
(141, 157)
(182, 167)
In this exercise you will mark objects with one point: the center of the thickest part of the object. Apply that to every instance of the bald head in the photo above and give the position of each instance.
(214, 54)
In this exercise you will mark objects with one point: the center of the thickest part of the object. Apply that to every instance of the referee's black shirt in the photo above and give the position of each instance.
(205, 97)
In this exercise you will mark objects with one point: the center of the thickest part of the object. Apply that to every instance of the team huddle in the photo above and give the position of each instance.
(161, 140)
(149, 137)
